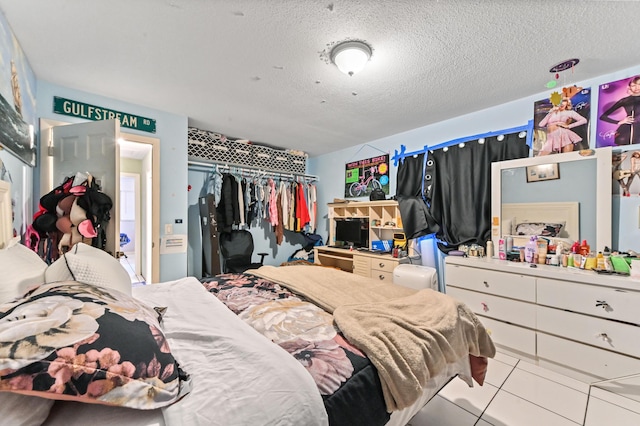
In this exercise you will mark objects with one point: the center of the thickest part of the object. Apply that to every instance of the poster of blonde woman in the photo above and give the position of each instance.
(561, 122)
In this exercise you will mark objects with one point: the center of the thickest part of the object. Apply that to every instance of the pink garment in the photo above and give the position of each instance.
(273, 206)
(559, 137)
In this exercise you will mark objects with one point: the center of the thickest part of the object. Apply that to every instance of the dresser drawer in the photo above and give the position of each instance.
(499, 283)
(510, 336)
(606, 334)
(487, 305)
(604, 302)
(593, 361)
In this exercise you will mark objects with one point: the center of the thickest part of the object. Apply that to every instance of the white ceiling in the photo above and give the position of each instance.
(253, 69)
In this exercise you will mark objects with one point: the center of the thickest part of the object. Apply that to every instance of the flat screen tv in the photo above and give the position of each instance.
(352, 232)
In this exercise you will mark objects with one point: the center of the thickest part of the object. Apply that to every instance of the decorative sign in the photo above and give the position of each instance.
(95, 113)
(363, 176)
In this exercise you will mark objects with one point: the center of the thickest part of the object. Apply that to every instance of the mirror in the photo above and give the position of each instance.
(581, 180)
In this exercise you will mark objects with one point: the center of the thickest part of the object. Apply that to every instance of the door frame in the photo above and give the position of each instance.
(46, 182)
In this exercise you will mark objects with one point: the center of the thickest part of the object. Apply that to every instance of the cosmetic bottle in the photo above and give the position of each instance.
(530, 249)
(489, 250)
(542, 251)
(585, 249)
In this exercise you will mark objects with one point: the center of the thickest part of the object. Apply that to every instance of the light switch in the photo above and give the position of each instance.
(168, 229)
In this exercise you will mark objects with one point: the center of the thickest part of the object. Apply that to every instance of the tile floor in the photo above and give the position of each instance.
(518, 393)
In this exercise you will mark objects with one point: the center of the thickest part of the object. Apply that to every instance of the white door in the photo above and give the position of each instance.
(87, 147)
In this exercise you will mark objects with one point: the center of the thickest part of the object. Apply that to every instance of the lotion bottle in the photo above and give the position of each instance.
(530, 249)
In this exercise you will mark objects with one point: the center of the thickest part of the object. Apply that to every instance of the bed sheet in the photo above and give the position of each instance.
(231, 365)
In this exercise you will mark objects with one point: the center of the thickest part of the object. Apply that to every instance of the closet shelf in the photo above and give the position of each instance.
(222, 166)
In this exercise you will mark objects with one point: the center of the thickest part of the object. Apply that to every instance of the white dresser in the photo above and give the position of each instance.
(579, 323)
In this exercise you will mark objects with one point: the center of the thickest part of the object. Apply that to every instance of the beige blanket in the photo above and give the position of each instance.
(408, 335)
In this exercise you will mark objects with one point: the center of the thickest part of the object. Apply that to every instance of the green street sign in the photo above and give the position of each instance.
(95, 113)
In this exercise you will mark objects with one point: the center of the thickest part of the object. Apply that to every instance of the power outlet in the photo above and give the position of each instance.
(168, 229)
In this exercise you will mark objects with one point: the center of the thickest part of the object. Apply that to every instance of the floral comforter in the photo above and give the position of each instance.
(348, 382)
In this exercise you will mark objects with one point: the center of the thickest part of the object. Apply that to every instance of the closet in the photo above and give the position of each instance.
(239, 185)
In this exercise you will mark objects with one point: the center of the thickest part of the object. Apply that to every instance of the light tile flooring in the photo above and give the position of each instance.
(518, 393)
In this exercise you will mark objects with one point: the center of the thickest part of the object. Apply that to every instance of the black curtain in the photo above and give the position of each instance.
(456, 190)
(416, 219)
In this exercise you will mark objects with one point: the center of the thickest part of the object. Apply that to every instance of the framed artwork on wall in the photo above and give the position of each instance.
(543, 172)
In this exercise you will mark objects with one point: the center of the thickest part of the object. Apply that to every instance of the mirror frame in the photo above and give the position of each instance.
(603, 189)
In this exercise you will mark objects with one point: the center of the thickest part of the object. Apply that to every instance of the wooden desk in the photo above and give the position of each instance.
(366, 264)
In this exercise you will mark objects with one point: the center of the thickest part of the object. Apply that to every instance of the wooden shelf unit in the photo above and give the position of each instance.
(385, 213)
(386, 216)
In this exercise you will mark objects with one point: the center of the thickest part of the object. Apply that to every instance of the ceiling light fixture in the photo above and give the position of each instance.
(351, 56)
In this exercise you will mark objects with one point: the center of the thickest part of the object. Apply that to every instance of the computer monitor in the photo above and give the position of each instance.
(352, 232)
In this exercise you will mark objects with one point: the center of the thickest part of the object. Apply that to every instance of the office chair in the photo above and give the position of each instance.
(236, 248)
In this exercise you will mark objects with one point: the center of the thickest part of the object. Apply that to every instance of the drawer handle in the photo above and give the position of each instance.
(604, 305)
(381, 264)
(604, 337)
(485, 307)
(486, 283)
(381, 277)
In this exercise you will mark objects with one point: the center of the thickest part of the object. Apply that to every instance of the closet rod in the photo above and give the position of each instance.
(252, 168)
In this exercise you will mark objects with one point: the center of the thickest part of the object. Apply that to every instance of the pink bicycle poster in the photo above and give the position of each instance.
(363, 176)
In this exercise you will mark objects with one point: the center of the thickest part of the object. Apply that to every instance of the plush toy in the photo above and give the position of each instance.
(76, 211)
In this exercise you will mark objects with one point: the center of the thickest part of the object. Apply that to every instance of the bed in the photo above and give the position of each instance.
(555, 221)
(210, 363)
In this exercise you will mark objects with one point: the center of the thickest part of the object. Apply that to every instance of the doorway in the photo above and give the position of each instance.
(146, 151)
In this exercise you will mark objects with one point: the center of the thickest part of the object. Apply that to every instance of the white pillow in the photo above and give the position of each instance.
(89, 265)
(24, 410)
(21, 269)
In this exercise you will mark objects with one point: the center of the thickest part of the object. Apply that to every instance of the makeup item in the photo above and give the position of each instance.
(509, 244)
(600, 261)
(577, 260)
(530, 250)
(585, 249)
(542, 251)
(591, 262)
(502, 254)
(489, 249)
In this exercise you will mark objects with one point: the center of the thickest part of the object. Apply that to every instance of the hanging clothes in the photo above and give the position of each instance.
(273, 205)
(302, 212)
(227, 210)
(279, 228)
(214, 186)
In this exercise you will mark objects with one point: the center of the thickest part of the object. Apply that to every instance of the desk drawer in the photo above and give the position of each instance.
(513, 311)
(593, 361)
(385, 265)
(515, 286)
(604, 302)
(510, 336)
(382, 275)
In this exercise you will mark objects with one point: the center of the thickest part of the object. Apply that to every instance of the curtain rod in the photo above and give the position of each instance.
(397, 156)
(228, 166)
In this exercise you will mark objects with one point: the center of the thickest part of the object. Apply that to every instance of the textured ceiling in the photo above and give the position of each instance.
(253, 69)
